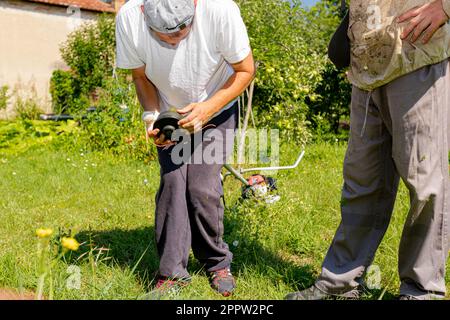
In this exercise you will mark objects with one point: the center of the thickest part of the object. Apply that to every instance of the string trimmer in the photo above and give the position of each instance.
(259, 186)
(255, 186)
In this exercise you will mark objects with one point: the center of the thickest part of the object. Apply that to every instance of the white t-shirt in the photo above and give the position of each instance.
(199, 66)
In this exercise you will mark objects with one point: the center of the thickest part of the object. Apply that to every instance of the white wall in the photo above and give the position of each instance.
(30, 36)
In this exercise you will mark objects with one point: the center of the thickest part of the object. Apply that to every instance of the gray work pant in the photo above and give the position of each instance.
(399, 130)
(189, 212)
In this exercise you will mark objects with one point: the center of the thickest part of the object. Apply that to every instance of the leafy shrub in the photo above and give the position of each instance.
(62, 90)
(65, 92)
(116, 125)
(334, 94)
(89, 52)
(19, 136)
(323, 132)
(27, 107)
(294, 74)
(331, 106)
(289, 67)
(4, 97)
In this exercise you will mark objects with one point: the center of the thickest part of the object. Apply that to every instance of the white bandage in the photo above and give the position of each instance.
(149, 117)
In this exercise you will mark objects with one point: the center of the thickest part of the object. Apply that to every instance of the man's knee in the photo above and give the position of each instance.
(204, 193)
(173, 181)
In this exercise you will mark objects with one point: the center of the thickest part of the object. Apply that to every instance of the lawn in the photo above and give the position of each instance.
(107, 203)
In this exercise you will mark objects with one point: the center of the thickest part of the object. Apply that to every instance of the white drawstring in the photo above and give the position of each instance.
(369, 95)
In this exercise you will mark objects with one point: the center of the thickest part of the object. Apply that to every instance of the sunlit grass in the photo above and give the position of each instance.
(107, 204)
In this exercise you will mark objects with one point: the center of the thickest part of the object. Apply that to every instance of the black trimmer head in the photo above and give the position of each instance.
(167, 123)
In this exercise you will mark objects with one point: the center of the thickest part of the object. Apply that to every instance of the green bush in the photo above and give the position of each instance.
(27, 107)
(4, 97)
(331, 107)
(62, 90)
(116, 125)
(18, 136)
(289, 67)
(334, 93)
(291, 43)
(89, 52)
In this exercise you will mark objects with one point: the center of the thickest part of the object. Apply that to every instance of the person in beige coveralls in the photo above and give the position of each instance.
(399, 123)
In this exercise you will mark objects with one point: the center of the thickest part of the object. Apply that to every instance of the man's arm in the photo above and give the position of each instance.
(149, 100)
(425, 20)
(202, 112)
(146, 91)
(244, 72)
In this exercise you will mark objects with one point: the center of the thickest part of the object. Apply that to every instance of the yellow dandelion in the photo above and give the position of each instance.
(70, 243)
(44, 233)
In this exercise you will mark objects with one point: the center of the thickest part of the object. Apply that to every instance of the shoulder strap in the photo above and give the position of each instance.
(343, 6)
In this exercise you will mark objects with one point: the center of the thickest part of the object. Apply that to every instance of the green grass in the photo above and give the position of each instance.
(105, 201)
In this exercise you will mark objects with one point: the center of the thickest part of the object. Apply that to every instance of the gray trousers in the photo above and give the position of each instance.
(399, 130)
(189, 212)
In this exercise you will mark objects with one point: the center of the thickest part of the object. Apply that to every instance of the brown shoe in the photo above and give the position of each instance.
(165, 288)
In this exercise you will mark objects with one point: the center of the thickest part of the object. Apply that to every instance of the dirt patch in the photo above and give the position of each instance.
(11, 294)
(295, 259)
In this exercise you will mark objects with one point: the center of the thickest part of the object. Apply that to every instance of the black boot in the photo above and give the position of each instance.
(314, 293)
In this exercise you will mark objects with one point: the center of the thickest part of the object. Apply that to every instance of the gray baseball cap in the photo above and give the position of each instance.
(168, 16)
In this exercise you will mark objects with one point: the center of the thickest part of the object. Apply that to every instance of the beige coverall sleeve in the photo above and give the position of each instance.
(446, 5)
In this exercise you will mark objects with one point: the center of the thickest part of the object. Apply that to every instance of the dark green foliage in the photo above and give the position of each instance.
(64, 90)
(116, 125)
(289, 65)
(89, 52)
(331, 107)
(295, 80)
(4, 97)
(333, 103)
